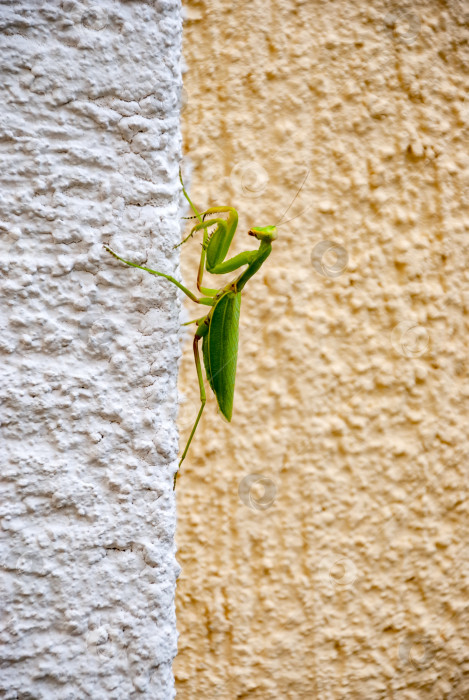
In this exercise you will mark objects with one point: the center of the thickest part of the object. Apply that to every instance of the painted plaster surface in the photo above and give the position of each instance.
(89, 149)
(323, 535)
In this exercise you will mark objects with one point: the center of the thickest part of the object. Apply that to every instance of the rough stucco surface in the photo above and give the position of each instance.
(89, 148)
(349, 577)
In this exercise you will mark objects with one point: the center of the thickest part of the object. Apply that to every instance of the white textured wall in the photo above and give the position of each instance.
(89, 144)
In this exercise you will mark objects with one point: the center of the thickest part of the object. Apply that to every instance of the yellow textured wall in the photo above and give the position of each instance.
(349, 577)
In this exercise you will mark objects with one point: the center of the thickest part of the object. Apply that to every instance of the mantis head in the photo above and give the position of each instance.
(264, 233)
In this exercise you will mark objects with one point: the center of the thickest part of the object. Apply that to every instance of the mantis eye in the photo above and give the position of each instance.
(264, 233)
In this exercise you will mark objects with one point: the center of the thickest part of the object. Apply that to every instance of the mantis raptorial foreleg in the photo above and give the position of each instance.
(215, 246)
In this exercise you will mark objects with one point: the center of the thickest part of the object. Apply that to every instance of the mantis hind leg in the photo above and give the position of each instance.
(194, 320)
(203, 400)
(187, 292)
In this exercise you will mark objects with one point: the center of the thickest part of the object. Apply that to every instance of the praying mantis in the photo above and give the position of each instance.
(218, 329)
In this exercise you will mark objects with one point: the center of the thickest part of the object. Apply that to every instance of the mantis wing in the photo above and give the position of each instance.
(220, 350)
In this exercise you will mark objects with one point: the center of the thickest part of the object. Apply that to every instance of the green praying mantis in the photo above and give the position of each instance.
(218, 329)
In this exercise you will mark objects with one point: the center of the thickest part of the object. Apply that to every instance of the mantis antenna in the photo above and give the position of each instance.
(279, 223)
(291, 203)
